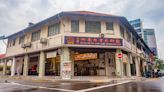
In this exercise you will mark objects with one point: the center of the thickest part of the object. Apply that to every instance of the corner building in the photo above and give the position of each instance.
(78, 44)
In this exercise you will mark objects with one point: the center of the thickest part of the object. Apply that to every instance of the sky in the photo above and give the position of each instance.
(16, 14)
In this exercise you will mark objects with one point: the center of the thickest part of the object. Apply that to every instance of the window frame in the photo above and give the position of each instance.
(75, 26)
(35, 34)
(21, 39)
(92, 27)
(108, 27)
(55, 29)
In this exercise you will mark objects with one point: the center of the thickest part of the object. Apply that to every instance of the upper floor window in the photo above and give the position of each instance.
(74, 26)
(92, 27)
(128, 37)
(35, 36)
(122, 31)
(54, 29)
(109, 25)
(134, 41)
(9, 43)
(21, 39)
(14, 40)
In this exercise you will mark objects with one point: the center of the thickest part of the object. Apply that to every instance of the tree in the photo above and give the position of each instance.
(159, 64)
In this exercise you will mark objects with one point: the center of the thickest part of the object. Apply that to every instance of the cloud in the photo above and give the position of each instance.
(15, 14)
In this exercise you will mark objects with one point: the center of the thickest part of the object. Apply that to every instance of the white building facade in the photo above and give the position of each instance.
(79, 43)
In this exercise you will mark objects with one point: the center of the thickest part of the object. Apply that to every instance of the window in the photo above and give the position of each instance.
(138, 30)
(21, 39)
(134, 41)
(109, 25)
(9, 43)
(137, 25)
(14, 40)
(122, 31)
(74, 26)
(92, 27)
(54, 29)
(35, 36)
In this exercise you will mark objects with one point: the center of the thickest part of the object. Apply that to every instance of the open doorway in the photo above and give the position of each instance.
(33, 65)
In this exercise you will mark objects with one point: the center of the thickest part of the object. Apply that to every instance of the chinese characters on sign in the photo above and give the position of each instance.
(93, 41)
(85, 56)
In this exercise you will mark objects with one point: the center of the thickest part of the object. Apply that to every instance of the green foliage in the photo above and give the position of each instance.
(159, 63)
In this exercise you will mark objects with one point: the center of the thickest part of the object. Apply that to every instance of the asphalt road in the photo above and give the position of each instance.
(27, 86)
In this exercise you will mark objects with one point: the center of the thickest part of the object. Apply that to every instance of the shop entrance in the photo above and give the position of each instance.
(33, 65)
(112, 64)
(90, 62)
(133, 67)
(95, 66)
(52, 66)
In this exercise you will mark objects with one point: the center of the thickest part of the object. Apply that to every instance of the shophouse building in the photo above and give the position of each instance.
(78, 43)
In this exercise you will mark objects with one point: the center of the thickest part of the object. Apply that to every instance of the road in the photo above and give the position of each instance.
(28, 86)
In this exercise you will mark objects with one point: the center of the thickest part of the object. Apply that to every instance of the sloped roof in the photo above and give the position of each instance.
(89, 13)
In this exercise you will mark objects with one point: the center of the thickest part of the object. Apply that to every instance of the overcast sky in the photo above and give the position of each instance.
(15, 14)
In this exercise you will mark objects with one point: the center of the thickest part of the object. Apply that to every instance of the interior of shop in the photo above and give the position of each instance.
(133, 67)
(33, 65)
(91, 62)
(52, 66)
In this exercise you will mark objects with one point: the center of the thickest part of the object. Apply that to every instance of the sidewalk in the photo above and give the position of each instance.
(93, 79)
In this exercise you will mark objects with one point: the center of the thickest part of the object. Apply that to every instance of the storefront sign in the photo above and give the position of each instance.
(51, 54)
(85, 56)
(93, 41)
(66, 70)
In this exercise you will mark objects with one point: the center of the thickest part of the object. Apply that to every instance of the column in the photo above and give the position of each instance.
(137, 60)
(26, 64)
(119, 66)
(4, 66)
(66, 64)
(42, 64)
(128, 64)
(13, 67)
(106, 64)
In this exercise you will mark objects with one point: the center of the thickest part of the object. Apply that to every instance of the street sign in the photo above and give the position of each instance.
(120, 55)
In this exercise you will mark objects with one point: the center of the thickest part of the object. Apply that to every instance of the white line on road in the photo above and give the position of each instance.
(104, 86)
(43, 87)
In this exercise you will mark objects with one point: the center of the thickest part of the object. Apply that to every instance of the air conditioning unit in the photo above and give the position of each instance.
(28, 44)
(23, 45)
(43, 40)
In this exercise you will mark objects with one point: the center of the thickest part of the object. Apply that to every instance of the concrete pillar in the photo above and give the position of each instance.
(13, 67)
(119, 64)
(66, 64)
(128, 65)
(42, 64)
(106, 64)
(137, 60)
(26, 65)
(4, 66)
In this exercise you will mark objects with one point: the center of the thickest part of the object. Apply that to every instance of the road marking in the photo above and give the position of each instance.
(43, 87)
(104, 86)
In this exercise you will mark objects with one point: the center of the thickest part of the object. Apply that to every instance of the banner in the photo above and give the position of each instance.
(72, 40)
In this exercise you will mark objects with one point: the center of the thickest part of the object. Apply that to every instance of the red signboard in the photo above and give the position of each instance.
(93, 41)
